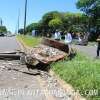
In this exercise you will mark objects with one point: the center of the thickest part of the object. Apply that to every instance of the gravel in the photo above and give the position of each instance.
(54, 87)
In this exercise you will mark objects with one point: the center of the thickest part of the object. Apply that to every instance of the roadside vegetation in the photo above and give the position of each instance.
(86, 22)
(29, 40)
(81, 72)
(3, 30)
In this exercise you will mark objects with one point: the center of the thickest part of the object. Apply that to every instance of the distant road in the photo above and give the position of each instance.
(8, 44)
(89, 51)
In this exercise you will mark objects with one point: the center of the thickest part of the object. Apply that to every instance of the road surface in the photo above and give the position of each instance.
(8, 44)
(17, 84)
(89, 51)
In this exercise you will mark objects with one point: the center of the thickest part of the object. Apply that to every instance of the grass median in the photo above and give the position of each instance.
(81, 72)
(29, 40)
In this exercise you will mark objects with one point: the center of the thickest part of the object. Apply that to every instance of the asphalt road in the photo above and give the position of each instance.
(8, 44)
(15, 85)
(89, 51)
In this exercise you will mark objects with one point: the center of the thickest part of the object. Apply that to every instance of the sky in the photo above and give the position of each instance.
(10, 9)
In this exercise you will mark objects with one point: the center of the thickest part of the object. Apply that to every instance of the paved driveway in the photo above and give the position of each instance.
(8, 44)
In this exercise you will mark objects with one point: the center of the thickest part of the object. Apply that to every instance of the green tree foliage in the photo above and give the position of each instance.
(75, 22)
(33, 26)
(48, 17)
(62, 21)
(55, 23)
(3, 29)
(91, 8)
(21, 31)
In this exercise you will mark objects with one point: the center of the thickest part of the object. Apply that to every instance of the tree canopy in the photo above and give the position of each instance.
(62, 21)
(3, 29)
(21, 31)
(91, 8)
(55, 23)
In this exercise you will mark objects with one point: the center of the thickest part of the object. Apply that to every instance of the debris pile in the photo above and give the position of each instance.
(46, 54)
(48, 51)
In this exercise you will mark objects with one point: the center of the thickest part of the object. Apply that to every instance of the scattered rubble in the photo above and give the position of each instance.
(25, 81)
(48, 51)
(55, 89)
(46, 54)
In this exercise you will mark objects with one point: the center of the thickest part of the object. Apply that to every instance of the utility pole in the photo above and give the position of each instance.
(25, 17)
(18, 21)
